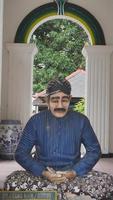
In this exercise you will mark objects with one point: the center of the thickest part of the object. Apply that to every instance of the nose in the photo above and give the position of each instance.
(60, 105)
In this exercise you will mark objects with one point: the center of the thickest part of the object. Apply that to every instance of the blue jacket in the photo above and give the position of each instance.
(58, 143)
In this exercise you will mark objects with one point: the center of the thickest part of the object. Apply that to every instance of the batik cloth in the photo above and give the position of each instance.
(95, 185)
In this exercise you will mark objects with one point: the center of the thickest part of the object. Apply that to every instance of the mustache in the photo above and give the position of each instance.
(59, 109)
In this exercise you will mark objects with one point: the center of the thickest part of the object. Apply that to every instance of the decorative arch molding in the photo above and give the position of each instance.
(75, 12)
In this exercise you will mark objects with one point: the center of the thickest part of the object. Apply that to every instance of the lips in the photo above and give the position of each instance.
(59, 110)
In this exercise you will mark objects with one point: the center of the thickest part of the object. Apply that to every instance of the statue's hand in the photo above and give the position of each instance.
(54, 177)
(67, 174)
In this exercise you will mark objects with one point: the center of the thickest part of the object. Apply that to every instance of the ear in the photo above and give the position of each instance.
(47, 99)
(70, 97)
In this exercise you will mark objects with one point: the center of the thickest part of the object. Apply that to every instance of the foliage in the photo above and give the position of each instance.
(80, 106)
(59, 44)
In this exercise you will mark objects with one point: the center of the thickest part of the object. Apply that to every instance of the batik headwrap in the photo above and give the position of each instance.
(58, 85)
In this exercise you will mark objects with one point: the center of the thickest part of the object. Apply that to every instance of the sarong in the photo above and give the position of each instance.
(95, 185)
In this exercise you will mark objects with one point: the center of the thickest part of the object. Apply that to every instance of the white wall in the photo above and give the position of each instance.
(16, 10)
(111, 106)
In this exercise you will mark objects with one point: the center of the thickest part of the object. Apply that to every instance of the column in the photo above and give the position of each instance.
(1, 36)
(98, 61)
(19, 102)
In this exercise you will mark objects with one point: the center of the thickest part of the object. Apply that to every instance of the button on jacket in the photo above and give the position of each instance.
(58, 143)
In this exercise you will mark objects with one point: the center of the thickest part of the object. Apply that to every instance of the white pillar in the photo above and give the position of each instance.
(98, 91)
(20, 81)
(1, 37)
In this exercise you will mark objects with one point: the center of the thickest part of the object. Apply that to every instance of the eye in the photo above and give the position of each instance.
(65, 100)
(54, 100)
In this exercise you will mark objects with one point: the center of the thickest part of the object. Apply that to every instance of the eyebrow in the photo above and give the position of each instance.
(57, 97)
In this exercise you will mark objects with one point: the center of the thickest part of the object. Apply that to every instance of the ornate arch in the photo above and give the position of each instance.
(73, 11)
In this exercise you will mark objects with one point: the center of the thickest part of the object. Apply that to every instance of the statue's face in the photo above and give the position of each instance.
(58, 104)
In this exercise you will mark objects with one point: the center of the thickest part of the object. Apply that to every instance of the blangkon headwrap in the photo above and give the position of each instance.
(58, 85)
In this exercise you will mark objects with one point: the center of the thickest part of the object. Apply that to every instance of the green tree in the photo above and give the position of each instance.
(80, 106)
(59, 44)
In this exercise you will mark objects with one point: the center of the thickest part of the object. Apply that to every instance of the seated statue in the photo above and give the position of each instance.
(57, 134)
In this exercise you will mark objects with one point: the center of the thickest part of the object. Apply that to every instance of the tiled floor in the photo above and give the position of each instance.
(6, 167)
(105, 165)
